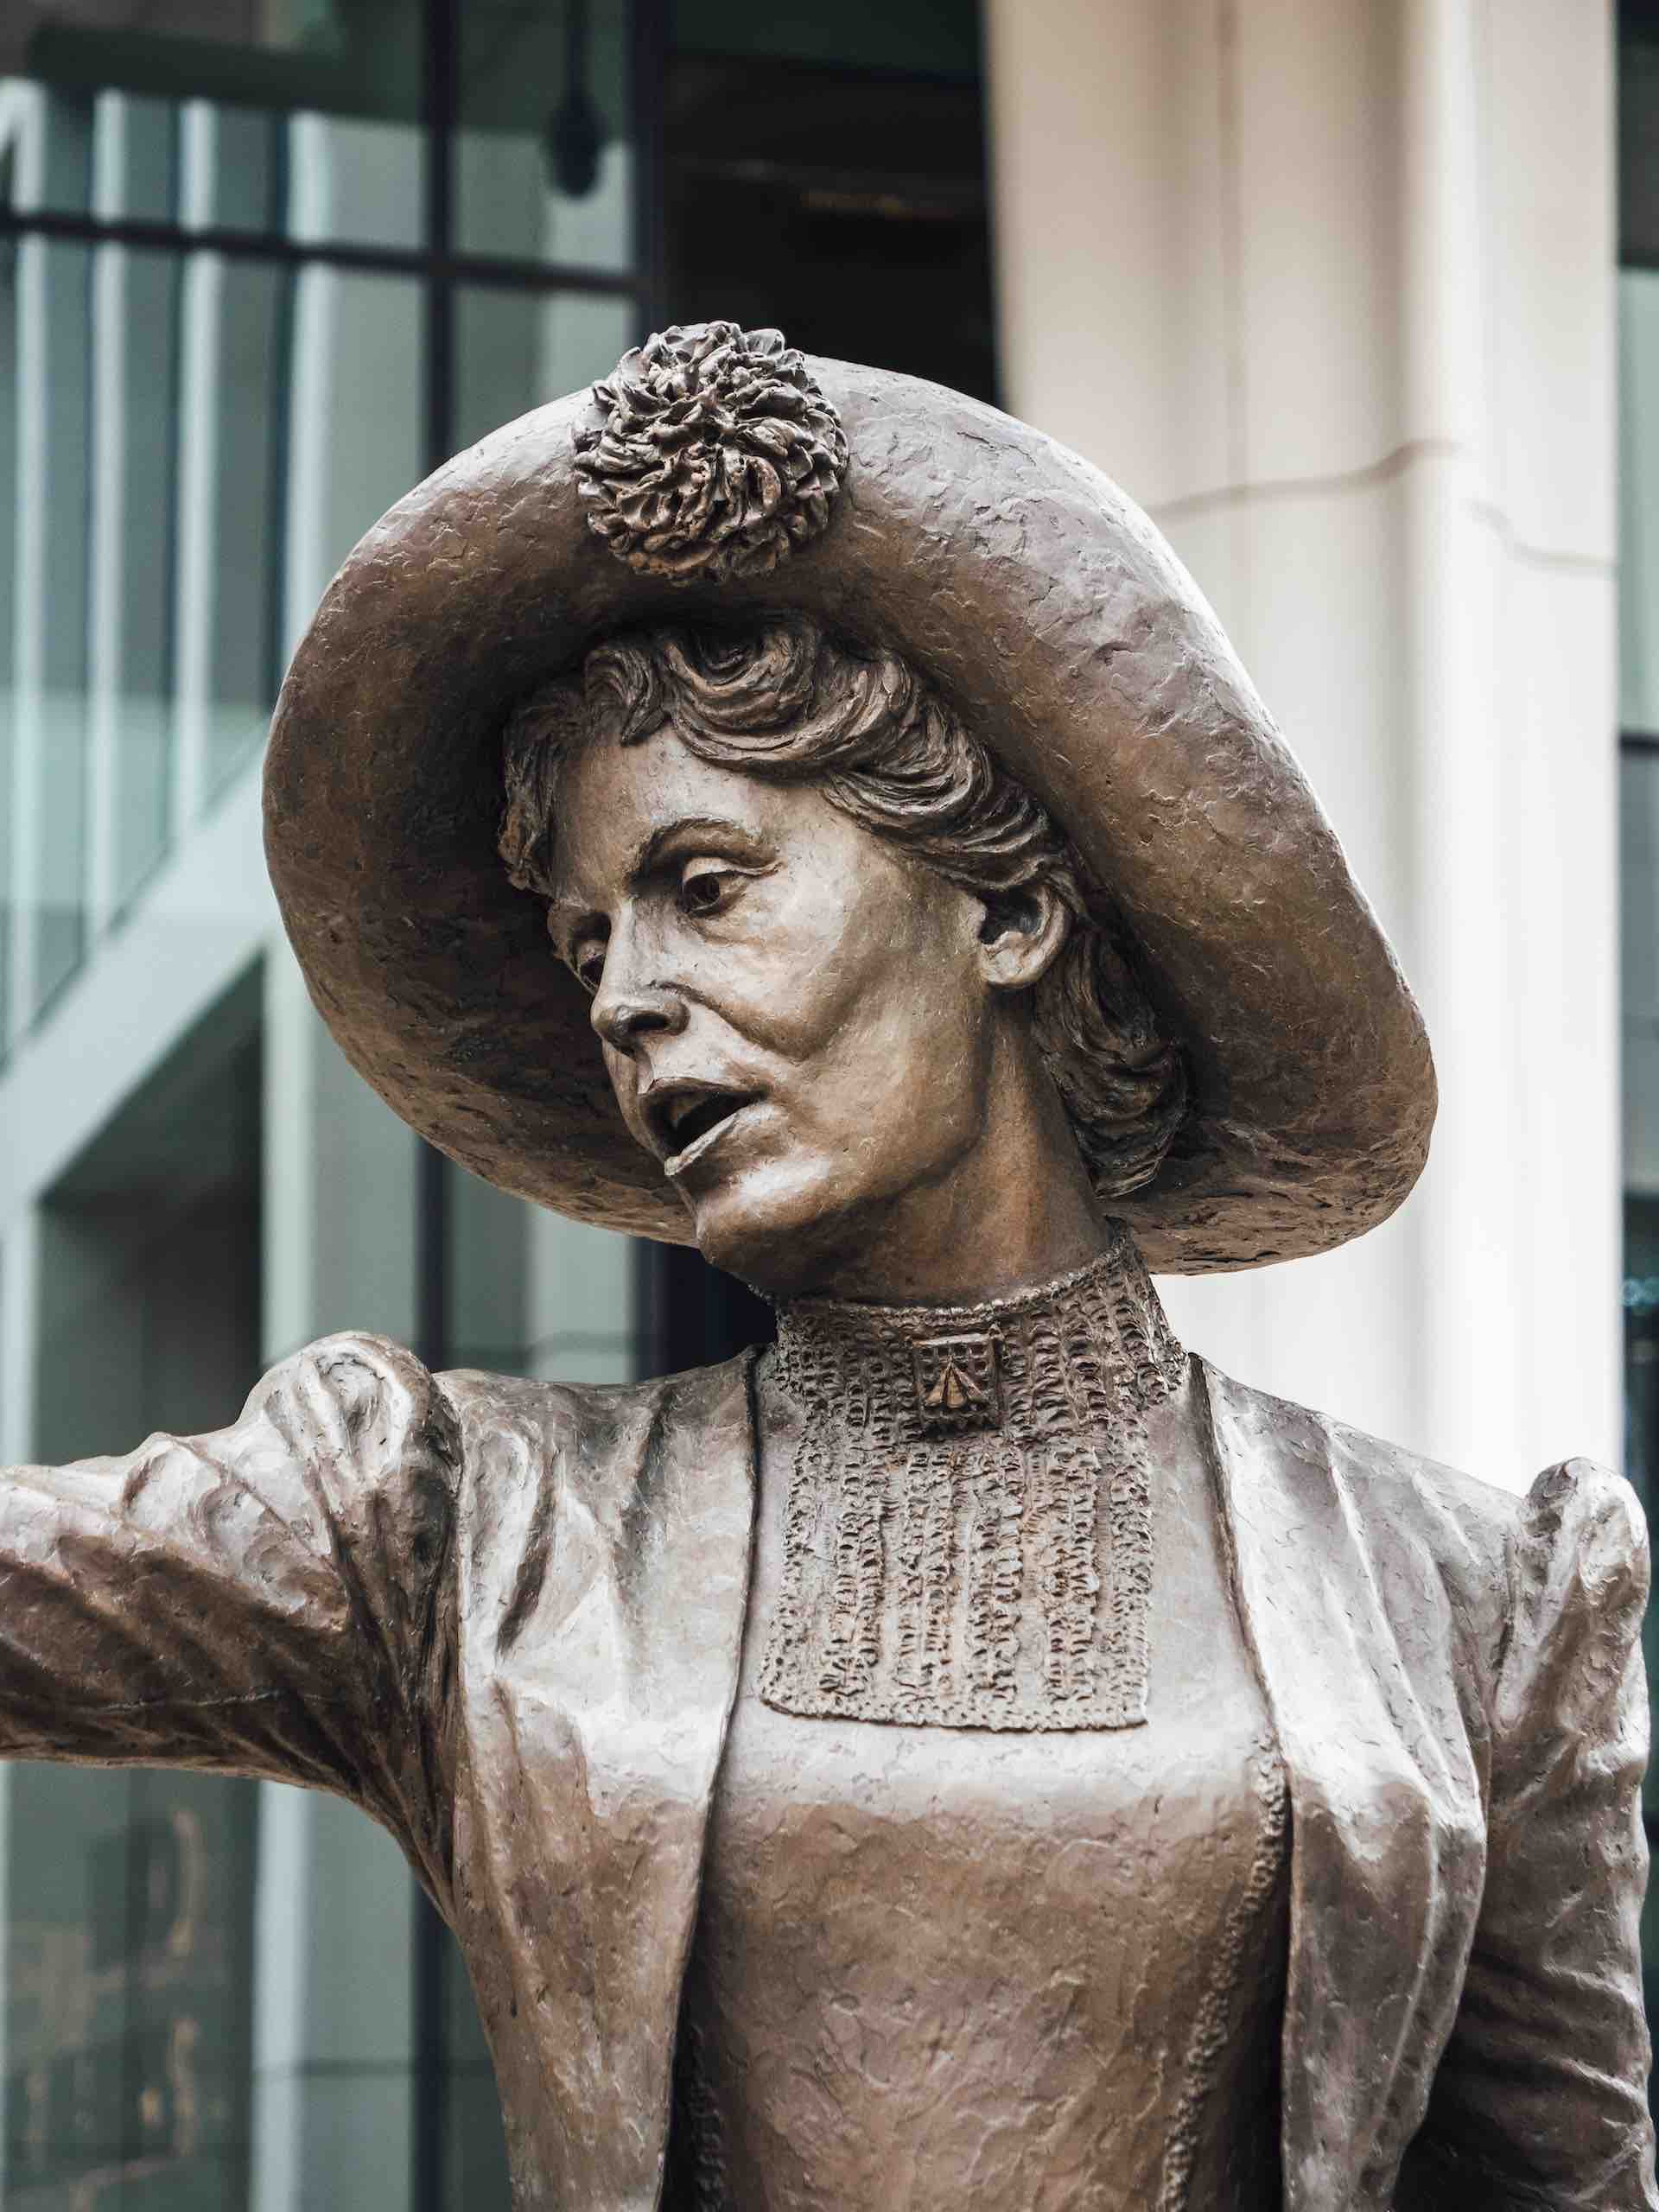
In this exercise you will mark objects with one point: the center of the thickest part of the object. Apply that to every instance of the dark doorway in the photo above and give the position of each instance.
(846, 205)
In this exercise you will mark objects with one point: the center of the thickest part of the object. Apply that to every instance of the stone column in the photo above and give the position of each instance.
(1329, 289)
(334, 2079)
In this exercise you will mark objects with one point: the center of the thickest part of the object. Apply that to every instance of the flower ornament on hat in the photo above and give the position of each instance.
(718, 455)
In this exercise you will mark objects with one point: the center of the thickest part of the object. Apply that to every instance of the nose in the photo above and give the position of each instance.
(626, 1010)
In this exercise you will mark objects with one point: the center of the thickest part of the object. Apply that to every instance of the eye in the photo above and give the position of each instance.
(706, 886)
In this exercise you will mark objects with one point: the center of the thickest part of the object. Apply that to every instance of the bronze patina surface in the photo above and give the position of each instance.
(975, 1753)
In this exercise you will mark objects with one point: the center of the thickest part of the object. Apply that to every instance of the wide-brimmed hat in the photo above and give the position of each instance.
(719, 472)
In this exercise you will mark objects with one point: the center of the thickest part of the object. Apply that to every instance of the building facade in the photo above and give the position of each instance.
(1358, 301)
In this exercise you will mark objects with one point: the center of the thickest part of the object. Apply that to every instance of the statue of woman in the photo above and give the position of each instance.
(975, 1753)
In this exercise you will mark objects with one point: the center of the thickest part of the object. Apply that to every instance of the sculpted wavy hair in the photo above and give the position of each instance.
(781, 699)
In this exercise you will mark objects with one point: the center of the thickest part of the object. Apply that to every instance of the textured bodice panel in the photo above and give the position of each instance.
(967, 1538)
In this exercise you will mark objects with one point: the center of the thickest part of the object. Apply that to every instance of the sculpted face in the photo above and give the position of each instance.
(808, 1030)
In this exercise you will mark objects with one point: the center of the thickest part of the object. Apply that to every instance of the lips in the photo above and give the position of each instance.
(687, 1119)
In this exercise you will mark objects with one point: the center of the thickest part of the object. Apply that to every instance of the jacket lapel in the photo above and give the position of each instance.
(602, 1592)
(1366, 1645)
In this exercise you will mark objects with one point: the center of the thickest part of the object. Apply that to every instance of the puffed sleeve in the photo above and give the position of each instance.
(259, 1600)
(1540, 2097)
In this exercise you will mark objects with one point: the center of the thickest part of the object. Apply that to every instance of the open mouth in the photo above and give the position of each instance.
(688, 1118)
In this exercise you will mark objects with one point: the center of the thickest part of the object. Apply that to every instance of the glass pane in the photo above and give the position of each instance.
(354, 436)
(133, 439)
(134, 157)
(135, 473)
(46, 139)
(313, 107)
(51, 398)
(515, 349)
(355, 180)
(235, 398)
(543, 167)
(190, 444)
(127, 1903)
(129, 1896)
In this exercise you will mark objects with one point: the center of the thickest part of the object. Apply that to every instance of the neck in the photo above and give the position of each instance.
(1017, 1209)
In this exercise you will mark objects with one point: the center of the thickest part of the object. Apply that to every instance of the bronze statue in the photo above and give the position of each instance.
(976, 1754)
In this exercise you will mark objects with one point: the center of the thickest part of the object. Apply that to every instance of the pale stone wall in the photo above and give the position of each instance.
(1330, 289)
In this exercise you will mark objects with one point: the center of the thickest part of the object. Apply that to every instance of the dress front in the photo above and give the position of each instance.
(995, 1900)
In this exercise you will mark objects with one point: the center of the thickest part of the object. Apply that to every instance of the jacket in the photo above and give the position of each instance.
(505, 1618)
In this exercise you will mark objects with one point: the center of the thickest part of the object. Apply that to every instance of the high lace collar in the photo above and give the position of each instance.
(944, 1370)
(968, 1536)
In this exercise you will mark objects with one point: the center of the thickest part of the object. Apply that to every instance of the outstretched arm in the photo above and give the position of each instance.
(259, 1600)
(1541, 2099)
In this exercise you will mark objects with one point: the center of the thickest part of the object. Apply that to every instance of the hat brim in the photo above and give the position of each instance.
(1050, 613)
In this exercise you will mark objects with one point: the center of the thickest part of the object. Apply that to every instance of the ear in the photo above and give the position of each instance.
(1021, 935)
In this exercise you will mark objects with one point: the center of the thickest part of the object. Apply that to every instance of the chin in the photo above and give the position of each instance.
(784, 1235)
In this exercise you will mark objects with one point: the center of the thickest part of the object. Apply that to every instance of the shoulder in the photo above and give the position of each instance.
(1418, 1500)
(372, 1408)
(568, 1488)
(1574, 1544)
(1581, 1519)
(358, 1398)
(598, 1431)
(370, 1432)
(1578, 1586)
